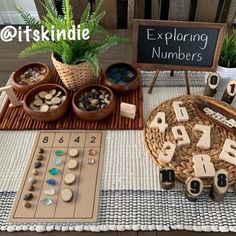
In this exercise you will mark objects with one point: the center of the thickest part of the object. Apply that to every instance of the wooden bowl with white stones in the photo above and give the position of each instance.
(53, 108)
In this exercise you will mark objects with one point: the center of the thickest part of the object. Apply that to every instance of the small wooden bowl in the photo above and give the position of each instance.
(50, 115)
(93, 115)
(26, 88)
(126, 87)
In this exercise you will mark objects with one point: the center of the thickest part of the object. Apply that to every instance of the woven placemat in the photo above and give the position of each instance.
(17, 119)
(182, 161)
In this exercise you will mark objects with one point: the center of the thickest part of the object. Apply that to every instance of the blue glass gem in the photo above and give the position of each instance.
(54, 171)
(52, 182)
(56, 161)
(47, 201)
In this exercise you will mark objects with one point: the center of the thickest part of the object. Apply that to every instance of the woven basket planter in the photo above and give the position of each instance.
(74, 76)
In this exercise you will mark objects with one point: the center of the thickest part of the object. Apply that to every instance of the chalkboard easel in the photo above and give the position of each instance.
(176, 46)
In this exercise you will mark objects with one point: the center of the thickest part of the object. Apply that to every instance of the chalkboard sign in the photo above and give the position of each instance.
(175, 45)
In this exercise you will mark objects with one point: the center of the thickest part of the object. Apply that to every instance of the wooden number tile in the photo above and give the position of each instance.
(205, 140)
(168, 152)
(228, 153)
(181, 135)
(212, 83)
(159, 122)
(14, 102)
(203, 166)
(180, 111)
(193, 188)
(220, 185)
(128, 110)
(230, 92)
(167, 178)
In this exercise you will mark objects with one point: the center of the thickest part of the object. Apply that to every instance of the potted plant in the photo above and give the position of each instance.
(75, 60)
(227, 63)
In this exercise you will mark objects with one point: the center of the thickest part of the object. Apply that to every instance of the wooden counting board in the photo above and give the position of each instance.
(61, 150)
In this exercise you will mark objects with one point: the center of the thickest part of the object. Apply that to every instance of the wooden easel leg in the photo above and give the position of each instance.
(153, 81)
(187, 82)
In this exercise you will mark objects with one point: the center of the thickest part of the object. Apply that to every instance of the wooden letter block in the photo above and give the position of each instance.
(203, 166)
(128, 110)
(205, 140)
(14, 102)
(167, 178)
(168, 152)
(220, 185)
(180, 112)
(159, 122)
(181, 135)
(193, 188)
(228, 153)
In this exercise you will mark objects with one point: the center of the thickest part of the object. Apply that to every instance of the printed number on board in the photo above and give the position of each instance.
(61, 139)
(181, 135)
(205, 140)
(77, 139)
(180, 111)
(46, 139)
(203, 166)
(159, 122)
(93, 139)
(228, 153)
(168, 152)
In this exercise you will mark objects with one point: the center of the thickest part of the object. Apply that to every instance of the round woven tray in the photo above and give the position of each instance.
(182, 161)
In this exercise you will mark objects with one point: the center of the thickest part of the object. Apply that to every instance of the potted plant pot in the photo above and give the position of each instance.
(121, 77)
(31, 75)
(74, 76)
(227, 63)
(227, 73)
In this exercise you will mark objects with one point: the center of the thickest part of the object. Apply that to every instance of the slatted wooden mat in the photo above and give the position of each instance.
(17, 119)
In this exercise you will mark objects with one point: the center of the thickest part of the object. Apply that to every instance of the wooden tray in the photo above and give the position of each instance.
(83, 206)
(17, 119)
(182, 161)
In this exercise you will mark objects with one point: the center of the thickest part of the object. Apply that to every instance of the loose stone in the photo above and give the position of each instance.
(26, 204)
(39, 157)
(35, 172)
(92, 152)
(32, 180)
(37, 165)
(28, 196)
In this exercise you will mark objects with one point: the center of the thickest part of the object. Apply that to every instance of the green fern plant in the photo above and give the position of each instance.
(67, 51)
(228, 52)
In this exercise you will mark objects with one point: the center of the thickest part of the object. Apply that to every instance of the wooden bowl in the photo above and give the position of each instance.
(93, 115)
(126, 87)
(50, 115)
(26, 88)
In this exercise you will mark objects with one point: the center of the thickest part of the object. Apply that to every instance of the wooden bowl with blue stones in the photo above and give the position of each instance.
(121, 77)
